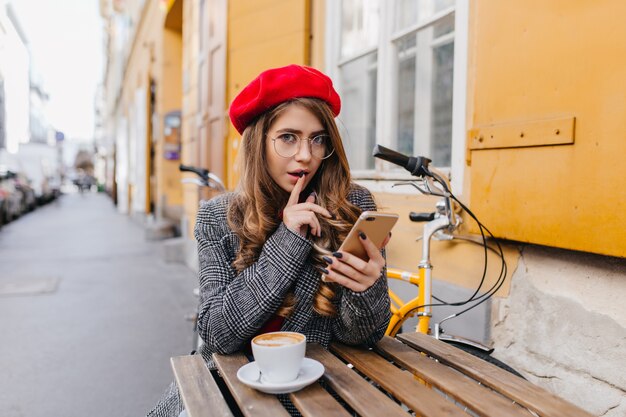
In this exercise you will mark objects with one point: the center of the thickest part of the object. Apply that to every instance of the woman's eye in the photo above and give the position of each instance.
(319, 140)
(288, 138)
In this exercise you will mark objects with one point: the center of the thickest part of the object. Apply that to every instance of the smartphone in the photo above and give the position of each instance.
(375, 225)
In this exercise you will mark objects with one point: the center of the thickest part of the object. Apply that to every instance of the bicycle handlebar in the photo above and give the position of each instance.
(201, 172)
(416, 165)
(208, 179)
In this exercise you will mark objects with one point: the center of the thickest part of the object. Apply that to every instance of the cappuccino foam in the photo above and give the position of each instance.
(279, 339)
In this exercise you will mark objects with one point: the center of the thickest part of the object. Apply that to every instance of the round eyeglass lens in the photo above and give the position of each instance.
(287, 145)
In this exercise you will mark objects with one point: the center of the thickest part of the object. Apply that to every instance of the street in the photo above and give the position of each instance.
(89, 313)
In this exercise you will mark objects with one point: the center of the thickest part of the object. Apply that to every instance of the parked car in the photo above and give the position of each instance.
(14, 206)
(23, 185)
(20, 194)
(3, 207)
(47, 189)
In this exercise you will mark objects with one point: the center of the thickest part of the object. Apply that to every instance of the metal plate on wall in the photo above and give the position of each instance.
(556, 131)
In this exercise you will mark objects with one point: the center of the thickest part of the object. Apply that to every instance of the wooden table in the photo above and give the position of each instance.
(413, 372)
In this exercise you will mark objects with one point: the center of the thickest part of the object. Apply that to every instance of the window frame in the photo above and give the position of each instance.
(386, 105)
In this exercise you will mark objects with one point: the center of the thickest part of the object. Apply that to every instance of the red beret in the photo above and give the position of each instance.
(277, 85)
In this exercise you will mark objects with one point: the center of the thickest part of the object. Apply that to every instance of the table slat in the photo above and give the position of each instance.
(400, 384)
(480, 399)
(355, 391)
(315, 401)
(197, 388)
(252, 403)
(523, 392)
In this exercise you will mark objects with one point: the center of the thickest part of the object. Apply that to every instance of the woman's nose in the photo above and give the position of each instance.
(304, 151)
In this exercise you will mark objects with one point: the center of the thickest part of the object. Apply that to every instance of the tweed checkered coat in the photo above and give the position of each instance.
(234, 306)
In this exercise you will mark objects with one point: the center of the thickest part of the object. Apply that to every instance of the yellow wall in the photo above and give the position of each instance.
(190, 108)
(170, 99)
(262, 34)
(318, 31)
(155, 54)
(533, 60)
(140, 67)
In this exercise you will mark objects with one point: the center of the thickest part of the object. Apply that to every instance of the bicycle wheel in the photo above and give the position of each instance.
(486, 356)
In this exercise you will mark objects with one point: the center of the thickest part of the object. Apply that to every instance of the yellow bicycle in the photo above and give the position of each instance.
(441, 225)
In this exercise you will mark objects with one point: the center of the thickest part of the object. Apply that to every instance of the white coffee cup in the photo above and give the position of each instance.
(279, 355)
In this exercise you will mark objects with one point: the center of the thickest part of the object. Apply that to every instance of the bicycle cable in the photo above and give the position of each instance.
(448, 194)
(503, 268)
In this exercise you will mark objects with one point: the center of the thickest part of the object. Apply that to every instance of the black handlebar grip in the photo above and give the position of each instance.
(186, 168)
(201, 172)
(389, 155)
(421, 217)
(417, 166)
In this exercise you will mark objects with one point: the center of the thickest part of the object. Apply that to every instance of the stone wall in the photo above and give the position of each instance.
(564, 326)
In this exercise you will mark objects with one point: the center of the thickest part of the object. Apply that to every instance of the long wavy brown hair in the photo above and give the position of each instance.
(254, 212)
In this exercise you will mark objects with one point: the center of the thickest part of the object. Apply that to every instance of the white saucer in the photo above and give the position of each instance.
(310, 372)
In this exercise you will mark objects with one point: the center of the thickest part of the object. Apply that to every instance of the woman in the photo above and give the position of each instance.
(267, 259)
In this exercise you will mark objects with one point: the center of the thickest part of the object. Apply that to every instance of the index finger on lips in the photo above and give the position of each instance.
(295, 193)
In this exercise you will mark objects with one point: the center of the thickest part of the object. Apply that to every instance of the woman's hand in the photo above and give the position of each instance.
(352, 272)
(300, 217)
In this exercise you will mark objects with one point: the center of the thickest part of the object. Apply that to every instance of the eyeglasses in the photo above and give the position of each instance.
(288, 145)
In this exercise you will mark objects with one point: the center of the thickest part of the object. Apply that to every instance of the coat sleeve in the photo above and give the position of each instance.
(363, 316)
(234, 306)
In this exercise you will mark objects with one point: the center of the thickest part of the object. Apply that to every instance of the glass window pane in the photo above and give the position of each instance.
(423, 94)
(405, 14)
(357, 121)
(410, 12)
(441, 121)
(359, 26)
(406, 94)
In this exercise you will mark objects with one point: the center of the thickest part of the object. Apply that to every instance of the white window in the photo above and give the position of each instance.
(398, 65)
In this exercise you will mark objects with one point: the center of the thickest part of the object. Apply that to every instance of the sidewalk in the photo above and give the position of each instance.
(89, 314)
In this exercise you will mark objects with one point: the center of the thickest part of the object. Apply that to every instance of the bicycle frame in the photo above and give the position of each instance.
(401, 310)
(423, 281)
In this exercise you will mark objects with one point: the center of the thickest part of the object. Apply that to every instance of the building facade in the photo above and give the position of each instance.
(142, 93)
(519, 105)
(14, 73)
(27, 144)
